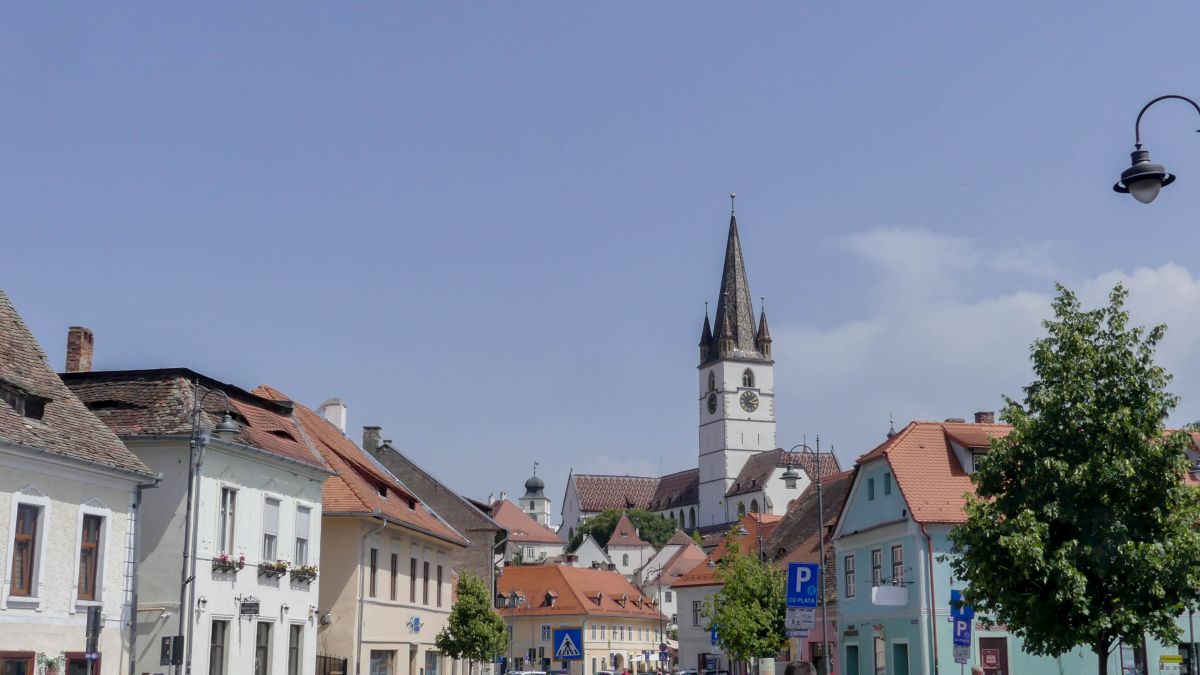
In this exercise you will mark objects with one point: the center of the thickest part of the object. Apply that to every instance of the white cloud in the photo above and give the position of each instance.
(926, 350)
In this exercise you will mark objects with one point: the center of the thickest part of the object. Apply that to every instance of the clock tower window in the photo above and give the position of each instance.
(748, 378)
(712, 381)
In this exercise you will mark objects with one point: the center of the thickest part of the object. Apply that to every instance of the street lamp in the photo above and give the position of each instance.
(512, 601)
(662, 619)
(198, 441)
(742, 532)
(1144, 179)
(789, 478)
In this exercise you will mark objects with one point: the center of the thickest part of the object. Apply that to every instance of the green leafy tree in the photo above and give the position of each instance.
(474, 630)
(653, 528)
(1083, 531)
(748, 612)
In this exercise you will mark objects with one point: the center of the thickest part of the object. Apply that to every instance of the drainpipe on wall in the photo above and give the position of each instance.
(932, 599)
(361, 580)
(137, 557)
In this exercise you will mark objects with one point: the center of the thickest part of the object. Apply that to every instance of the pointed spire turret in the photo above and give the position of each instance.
(763, 339)
(706, 337)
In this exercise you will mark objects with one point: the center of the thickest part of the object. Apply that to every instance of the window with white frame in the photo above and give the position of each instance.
(303, 516)
(593, 632)
(227, 520)
(669, 596)
(848, 570)
(89, 556)
(270, 529)
(545, 631)
(26, 548)
(876, 567)
(898, 565)
(696, 605)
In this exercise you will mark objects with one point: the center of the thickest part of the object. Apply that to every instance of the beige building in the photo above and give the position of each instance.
(68, 495)
(386, 573)
(622, 628)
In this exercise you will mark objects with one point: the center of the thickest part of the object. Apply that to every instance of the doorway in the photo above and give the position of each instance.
(993, 655)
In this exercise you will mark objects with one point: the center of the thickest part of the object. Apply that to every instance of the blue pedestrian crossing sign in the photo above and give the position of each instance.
(568, 644)
(802, 582)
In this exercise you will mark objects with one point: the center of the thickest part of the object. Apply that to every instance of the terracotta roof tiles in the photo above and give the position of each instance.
(757, 470)
(577, 591)
(599, 492)
(521, 528)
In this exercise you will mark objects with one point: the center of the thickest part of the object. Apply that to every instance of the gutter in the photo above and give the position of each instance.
(358, 641)
(399, 523)
(137, 563)
(101, 466)
(932, 598)
(237, 446)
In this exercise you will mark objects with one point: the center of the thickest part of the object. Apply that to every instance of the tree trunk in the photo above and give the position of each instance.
(1101, 648)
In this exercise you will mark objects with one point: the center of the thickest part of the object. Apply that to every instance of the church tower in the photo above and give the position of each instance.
(534, 502)
(737, 385)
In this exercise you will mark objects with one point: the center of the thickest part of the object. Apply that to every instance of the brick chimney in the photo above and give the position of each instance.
(985, 417)
(80, 344)
(371, 436)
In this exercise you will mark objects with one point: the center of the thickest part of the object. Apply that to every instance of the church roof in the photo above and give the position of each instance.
(55, 420)
(757, 470)
(598, 492)
(735, 309)
(677, 489)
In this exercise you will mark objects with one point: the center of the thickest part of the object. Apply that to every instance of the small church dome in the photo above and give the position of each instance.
(534, 487)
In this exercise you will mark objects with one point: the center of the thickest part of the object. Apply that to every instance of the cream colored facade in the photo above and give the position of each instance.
(609, 643)
(383, 632)
(52, 619)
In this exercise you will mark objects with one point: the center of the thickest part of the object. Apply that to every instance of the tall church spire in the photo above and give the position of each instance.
(735, 310)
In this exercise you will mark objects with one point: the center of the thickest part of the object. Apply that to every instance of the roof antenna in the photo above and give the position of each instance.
(732, 210)
(535, 468)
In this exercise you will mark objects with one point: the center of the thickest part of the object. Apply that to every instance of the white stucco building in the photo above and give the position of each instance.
(258, 507)
(627, 550)
(68, 495)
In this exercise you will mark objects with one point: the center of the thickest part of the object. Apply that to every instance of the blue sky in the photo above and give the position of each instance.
(492, 227)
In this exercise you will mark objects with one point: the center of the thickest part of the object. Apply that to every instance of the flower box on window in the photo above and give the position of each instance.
(305, 573)
(227, 563)
(273, 569)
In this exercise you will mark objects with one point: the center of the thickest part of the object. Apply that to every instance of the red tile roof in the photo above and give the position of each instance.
(753, 523)
(625, 534)
(357, 487)
(521, 528)
(65, 428)
(685, 559)
(757, 470)
(797, 537)
(598, 492)
(579, 591)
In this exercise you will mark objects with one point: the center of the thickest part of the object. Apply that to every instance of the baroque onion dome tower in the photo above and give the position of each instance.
(737, 385)
(534, 502)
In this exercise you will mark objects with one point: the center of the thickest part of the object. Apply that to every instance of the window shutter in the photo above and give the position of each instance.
(271, 517)
(302, 515)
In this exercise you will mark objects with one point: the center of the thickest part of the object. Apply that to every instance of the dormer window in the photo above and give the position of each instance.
(26, 404)
(551, 596)
(383, 491)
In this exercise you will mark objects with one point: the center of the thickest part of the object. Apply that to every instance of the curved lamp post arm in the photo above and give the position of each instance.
(1137, 126)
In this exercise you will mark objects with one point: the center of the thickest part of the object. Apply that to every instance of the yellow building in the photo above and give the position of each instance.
(622, 628)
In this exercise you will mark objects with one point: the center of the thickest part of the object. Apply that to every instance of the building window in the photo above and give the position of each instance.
(89, 556)
(546, 632)
(216, 648)
(669, 596)
(876, 567)
(692, 517)
(228, 518)
(16, 663)
(262, 649)
(425, 583)
(270, 529)
(898, 565)
(381, 662)
(374, 570)
(25, 544)
(621, 633)
(593, 634)
(887, 483)
(754, 506)
(303, 515)
(412, 580)
(848, 569)
(696, 609)
(295, 639)
(712, 381)
(747, 378)
(625, 559)
(439, 586)
(601, 631)
(741, 509)
(431, 662)
(870, 489)
(395, 573)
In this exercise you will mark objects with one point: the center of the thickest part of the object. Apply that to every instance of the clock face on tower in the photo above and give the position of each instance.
(749, 401)
(712, 403)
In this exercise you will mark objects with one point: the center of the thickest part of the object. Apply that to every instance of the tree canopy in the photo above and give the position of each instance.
(653, 528)
(1083, 531)
(748, 612)
(474, 630)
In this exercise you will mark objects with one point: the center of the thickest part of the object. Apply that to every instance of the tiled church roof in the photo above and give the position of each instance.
(599, 492)
(757, 470)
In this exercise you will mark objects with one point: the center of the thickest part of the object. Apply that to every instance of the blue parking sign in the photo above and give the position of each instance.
(802, 581)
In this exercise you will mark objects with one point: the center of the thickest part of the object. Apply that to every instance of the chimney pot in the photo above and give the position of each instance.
(334, 410)
(503, 495)
(371, 438)
(985, 417)
(80, 346)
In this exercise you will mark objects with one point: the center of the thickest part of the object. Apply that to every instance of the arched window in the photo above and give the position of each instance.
(741, 509)
(625, 559)
(571, 533)
(754, 506)
(712, 381)
(691, 517)
(747, 378)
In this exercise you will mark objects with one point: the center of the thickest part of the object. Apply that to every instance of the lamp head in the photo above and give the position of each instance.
(227, 428)
(1143, 179)
(790, 477)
